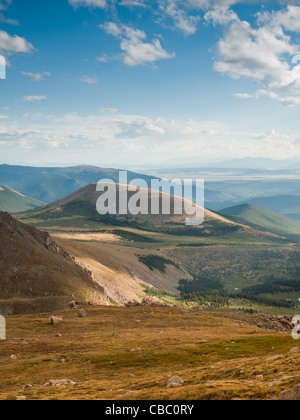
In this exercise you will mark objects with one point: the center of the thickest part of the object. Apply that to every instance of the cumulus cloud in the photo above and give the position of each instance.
(11, 44)
(182, 19)
(134, 46)
(262, 50)
(264, 53)
(14, 44)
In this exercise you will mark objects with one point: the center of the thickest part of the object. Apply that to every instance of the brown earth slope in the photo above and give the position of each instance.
(36, 275)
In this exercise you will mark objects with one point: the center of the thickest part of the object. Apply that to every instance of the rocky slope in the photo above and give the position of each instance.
(36, 275)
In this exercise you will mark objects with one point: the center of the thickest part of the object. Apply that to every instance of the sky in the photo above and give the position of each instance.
(140, 82)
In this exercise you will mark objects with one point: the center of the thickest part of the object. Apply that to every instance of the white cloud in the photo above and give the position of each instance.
(14, 44)
(134, 3)
(187, 23)
(136, 50)
(89, 80)
(109, 110)
(242, 95)
(35, 98)
(112, 28)
(220, 16)
(136, 137)
(290, 101)
(264, 53)
(289, 18)
(256, 95)
(89, 3)
(255, 53)
(4, 4)
(36, 77)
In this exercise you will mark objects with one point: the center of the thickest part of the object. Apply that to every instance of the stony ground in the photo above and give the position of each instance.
(134, 353)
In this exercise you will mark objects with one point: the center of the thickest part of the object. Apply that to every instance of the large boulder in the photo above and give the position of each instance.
(54, 320)
(174, 382)
(290, 395)
(59, 382)
(82, 314)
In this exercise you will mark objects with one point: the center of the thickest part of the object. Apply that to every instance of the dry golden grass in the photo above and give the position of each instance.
(85, 237)
(122, 353)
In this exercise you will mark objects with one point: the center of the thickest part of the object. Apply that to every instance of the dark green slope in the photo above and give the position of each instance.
(264, 219)
(287, 205)
(14, 202)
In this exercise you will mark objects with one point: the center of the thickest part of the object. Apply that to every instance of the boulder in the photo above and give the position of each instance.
(81, 314)
(54, 320)
(72, 305)
(290, 395)
(295, 350)
(174, 382)
(59, 382)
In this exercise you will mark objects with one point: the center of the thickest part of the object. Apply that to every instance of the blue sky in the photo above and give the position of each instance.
(124, 82)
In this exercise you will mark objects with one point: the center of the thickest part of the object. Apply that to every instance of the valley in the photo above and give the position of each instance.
(224, 261)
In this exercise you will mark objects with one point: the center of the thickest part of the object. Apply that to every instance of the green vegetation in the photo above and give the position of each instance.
(287, 286)
(160, 294)
(287, 205)
(263, 219)
(155, 262)
(133, 237)
(14, 202)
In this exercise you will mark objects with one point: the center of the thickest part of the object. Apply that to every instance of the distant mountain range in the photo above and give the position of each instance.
(259, 163)
(281, 196)
(263, 219)
(13, 202)
(52, 184)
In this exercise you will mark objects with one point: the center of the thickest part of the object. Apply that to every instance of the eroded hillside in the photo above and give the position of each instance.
(37, 275)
